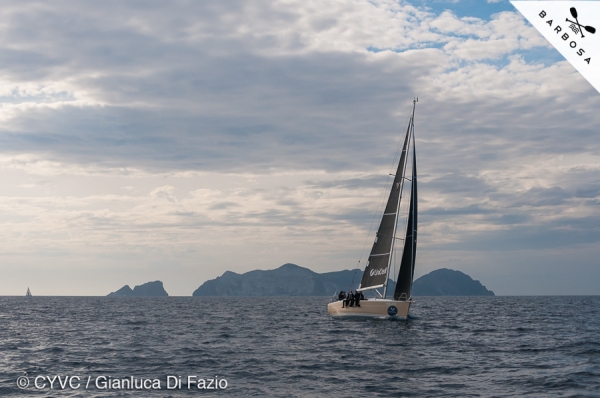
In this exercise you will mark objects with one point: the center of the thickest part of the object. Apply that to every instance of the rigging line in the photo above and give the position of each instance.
(380, 207)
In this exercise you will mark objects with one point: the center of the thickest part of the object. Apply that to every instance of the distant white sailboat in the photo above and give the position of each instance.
(28, 294)
(377, 271)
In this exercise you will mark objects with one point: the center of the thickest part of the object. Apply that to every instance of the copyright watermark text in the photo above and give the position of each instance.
(72, 382)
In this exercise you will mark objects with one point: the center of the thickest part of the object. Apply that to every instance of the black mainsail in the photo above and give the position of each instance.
(377, 270)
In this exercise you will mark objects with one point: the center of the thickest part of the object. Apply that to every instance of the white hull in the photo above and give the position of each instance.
(371, 309)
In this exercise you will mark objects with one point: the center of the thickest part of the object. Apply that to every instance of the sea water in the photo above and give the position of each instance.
(285, 347)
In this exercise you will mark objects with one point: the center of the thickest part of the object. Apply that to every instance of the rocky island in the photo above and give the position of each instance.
(287, 280)
(448, 282)
(150, 289)
(293, 280)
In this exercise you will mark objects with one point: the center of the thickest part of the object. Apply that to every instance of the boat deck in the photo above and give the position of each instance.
(370, 309)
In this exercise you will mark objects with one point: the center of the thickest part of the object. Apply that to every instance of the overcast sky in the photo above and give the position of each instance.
(176, 140)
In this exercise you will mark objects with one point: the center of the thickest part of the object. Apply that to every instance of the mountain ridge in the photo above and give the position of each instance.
(287, 280)
(294, 280)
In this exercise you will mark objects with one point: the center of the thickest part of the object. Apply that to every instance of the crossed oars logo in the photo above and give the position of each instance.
(588, 28)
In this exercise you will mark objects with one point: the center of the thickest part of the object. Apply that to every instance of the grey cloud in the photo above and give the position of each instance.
(538, 196)
(468, 210)
(223, 205)
(588, 191)
(367, 182)
(214, 103)
(545, 235)
(457, 183)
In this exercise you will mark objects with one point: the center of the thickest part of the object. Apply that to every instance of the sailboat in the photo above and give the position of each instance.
(28, 294)
(380, 262)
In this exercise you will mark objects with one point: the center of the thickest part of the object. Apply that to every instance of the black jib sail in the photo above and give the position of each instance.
(376, 271)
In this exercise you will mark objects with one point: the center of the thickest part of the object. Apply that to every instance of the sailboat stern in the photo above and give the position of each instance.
(370, 309)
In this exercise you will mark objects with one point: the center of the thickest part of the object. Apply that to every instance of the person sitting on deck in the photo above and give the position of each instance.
(348, 298)
(342, 297)
(352, 299)
(362, 296)
(357, 298)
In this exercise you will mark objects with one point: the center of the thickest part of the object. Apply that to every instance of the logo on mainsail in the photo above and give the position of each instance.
(377, 272)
